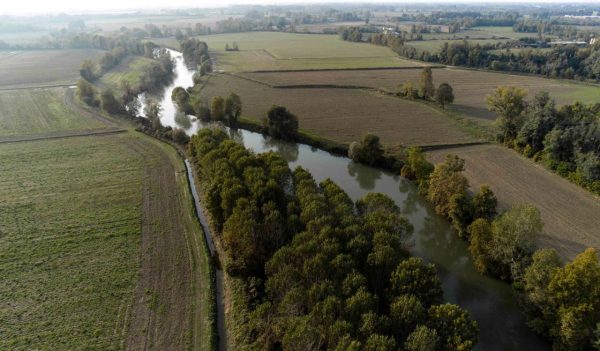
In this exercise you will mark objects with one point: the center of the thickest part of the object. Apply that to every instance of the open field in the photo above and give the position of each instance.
(69, 244)
(570, 214)
(100, 248)
(43, 67)
(37, 111)
(286, 51)
(344, 115)
(130, 70)
(470, 86)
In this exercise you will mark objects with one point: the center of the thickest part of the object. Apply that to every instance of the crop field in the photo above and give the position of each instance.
(43, 67)
(345, 115)
(470, 86)
(129, 70)
(36, 111)
(570, 213)
(285, 51)
(69, 243)
(99, 247)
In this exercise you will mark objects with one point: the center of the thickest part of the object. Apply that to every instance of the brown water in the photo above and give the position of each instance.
(492, 303)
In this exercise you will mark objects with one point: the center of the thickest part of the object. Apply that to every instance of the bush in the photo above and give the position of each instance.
(281, 123)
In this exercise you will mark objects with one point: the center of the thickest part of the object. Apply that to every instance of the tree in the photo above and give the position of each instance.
(480, 232)
(426, 88)
(514, 236)
(461, 213)
(109, 103)
(509, 103)
(88, 70)
(86, 92)
(422, 339)
(233, 108)
(408, 90)
(152, 109)
(575, 299)
(281, 123)
(446, 181)
(181, 98)
(406, 312)
(369, 151)
(413, 277)
(418, 168)
(217, 108)
(485, 203)
(444, 94)
(456, 329)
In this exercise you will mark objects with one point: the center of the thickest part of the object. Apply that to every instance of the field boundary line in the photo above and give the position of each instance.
(66, 85)
(36, 137)
(346, 69)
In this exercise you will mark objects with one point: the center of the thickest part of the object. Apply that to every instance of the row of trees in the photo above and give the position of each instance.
(570, 61)
(562, 302)
(320, 271)
(566, 139)
(443, 95)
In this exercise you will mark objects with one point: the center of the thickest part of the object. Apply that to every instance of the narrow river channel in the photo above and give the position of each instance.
(492, 303)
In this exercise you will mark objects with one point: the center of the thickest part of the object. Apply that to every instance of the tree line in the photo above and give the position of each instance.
(565, 139)
(318, 270)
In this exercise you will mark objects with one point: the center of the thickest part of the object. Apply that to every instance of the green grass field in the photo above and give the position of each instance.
(129, 70)
(35, 111)
(285, 51)
(69, 243)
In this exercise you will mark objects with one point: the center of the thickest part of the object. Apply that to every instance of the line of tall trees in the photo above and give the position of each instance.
(565, 139)
(320, 271)
(443, 95)
(561, 302)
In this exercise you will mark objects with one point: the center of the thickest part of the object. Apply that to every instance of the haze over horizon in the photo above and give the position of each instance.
(33, 7)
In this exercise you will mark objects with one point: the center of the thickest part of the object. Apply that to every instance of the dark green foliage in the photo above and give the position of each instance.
(194, 50)
(87, 70)
(454, 326)
(217, 108)
(426, 88)
(485, 203)
(322, 272)
(368, 151)
(87, 93)
(281, 123)
(444, 94)
(109, 103)
(417, 168)
(232, 109)
(181, 98)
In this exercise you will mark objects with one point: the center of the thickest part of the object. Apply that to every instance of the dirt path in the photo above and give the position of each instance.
(570, 213)
(169, 311)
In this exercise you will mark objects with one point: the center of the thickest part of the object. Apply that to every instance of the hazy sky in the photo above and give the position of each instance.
(56, 6)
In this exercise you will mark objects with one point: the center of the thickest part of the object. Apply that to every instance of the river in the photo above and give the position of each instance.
(491, 302)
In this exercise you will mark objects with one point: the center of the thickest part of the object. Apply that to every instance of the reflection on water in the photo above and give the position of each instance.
(492, 303)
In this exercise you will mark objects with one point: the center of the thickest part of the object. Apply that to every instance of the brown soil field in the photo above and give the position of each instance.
(344, 115)
(43, 67)
(170, 309)
(470, 87)
(570, 213)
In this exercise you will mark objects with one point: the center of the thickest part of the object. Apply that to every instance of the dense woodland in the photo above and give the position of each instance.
(565, 139)
(319, 271)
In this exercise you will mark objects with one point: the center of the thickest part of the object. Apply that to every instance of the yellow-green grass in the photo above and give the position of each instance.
(33, 68)
(287, 51)
(130, 70)
(36, 111)
(69, 243)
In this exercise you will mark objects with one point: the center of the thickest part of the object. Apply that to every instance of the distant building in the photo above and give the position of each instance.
(568, 42)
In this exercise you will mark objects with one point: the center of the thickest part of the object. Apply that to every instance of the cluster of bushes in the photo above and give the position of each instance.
(318, 270)
(233, 47)
(562, 303)
(369, 151)
(443, 95)
(566, 139)
(194, 50)
(227, 110)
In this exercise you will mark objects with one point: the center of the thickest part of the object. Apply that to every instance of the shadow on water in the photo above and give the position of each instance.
(492, 303)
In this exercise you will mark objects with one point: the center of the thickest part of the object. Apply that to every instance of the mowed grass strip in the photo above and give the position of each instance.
(69, 243)
(36, 111)
(570, 213)
(470, 86)
(44, 67)
(287, 51)
(344, 115)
